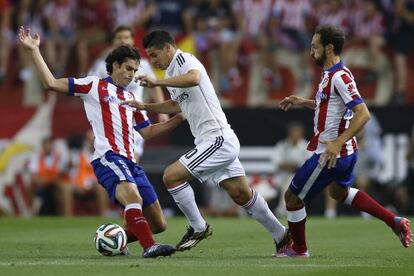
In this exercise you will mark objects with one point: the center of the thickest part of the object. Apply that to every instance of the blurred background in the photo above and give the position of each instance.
(256, 52)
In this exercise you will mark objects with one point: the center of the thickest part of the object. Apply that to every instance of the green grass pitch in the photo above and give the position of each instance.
(345, 246)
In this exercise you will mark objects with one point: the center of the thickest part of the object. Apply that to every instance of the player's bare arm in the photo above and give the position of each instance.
(162, 128)
(292, 100)
(189, 79)
(333, 148)
(166, 107)
(31, 44)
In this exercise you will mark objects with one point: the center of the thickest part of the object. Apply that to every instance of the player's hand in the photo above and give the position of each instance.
(180, 116)
(146, 81)
(333, 148)
(27, 40)
(163, 117)
(290, 101)
(133, 103)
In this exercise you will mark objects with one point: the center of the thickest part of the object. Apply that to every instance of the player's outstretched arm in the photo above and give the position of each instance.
(159, 129)
(189, 79)
(166, 107)
(292, 100)
(31, 44)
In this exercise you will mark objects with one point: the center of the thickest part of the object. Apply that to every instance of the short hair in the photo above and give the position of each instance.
(122, 28)
(158, 39)
(120, 55)
(330, 34)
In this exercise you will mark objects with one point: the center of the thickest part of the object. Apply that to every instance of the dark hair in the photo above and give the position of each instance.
(122, 28)
(120, 55)
(330, 34)
(158, 39)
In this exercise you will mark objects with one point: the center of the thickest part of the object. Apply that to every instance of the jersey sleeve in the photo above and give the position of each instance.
(81, 87)
(141, 120)
(345, 86)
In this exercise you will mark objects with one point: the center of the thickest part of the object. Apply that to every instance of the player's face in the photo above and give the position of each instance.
(317, 52)
(123, 74)
(123, 38)
(159, 57)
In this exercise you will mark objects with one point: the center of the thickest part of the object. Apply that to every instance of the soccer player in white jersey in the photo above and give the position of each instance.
(339, 114)
(124, 35)
(215, 156)
(113, 125)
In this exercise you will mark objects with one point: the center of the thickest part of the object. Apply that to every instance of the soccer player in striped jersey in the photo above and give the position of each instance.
(215, 155)
(340, 113)
(113, 124)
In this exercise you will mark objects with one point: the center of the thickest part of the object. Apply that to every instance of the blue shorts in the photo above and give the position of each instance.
(312, 178)
(113, 168)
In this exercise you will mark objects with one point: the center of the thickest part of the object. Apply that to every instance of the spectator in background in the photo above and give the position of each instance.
(290, 30)
(252, 18)
(401, 39)
(289, 155)
(332, 12)
(48, 169)
(368, 29)
(93, 23)
(405, 192)
(124, 35)
(173, 16)
(60, 33)
(216, 37)
(83, 183)
(5, 36)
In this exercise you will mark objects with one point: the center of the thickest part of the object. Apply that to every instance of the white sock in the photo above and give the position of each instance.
(257, 207)
(184, 198)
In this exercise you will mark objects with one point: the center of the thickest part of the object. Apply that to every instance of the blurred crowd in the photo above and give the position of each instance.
(228, 35)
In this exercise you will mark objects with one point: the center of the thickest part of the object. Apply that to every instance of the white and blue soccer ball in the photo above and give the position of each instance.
(110, 239)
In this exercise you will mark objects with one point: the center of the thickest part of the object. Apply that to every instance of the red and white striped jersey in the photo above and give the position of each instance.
(111, 123)
(337, 95)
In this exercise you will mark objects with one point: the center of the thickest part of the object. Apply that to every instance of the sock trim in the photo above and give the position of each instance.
(133, 206)
(296, 216)
(179, 188)
(251, 202)
(351, 195)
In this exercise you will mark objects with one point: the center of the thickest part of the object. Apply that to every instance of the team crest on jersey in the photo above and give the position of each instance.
(324, 82)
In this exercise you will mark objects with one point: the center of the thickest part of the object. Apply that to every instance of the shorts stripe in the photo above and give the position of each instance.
(114, 168)
(206, 154)
(310, 181)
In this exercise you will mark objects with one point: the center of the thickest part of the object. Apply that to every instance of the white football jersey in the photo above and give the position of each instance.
(112, 123)
(199, 104)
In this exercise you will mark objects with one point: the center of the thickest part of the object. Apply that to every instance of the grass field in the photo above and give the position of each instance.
(346, 246)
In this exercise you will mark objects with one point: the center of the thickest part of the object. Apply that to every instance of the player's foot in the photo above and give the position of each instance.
(191, 238)
(288, 251)
(284, 243)
(157, 250)
(126, 252)
(403, 231)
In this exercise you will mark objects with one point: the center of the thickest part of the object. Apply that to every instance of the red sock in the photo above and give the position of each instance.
(138, 226)
(297, 229)
(130, 236)
(363, 202)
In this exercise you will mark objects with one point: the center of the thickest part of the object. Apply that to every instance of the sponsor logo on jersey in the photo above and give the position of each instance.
(182, 97)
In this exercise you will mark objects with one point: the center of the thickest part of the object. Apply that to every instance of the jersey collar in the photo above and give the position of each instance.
(110, 80)
(335, 67)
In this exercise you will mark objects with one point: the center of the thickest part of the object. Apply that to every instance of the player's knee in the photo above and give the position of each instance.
(159, 227)
(292, 200)
(338, 194)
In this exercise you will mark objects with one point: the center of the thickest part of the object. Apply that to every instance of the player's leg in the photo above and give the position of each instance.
(361, 201)
(153, 213)
(176, 178)
(116, 174)
(255, 205)
(308, 181)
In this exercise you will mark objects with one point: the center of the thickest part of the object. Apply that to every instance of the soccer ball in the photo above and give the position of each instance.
(110, 239)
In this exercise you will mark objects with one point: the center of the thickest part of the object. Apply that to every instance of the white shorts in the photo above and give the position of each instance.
(215, 159)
